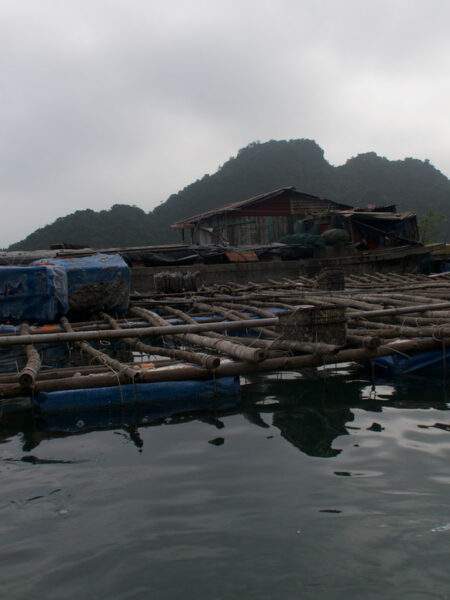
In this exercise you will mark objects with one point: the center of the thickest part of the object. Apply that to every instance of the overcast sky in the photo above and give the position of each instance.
(105, 101)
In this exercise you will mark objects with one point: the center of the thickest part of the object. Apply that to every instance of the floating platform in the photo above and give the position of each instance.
(192, 345)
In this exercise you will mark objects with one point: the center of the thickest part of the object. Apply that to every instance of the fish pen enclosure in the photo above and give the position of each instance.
(325, 324)
(197, 343)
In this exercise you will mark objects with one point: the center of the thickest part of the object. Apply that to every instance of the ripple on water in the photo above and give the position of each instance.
(303, 499)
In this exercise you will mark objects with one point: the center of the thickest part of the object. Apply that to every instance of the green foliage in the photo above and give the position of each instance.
(411, 184)
(429, 226)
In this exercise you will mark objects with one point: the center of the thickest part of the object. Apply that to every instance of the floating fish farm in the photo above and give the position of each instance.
(188, 340)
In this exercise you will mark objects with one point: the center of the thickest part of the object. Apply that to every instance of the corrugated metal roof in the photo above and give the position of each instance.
(236, 206)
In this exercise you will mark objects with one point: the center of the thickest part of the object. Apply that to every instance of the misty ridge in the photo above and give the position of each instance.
(412, 184)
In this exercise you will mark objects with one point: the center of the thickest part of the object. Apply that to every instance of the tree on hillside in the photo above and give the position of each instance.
(429, 226)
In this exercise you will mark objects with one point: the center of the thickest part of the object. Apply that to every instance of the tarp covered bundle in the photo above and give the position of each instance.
(48, 288)
(99, 282)
(36, 294)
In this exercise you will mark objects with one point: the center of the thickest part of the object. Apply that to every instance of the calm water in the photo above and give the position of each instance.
(308, 489)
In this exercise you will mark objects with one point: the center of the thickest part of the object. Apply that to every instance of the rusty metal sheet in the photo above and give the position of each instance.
(247, 256)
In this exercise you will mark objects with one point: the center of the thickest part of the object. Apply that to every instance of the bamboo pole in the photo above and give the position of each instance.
(347, 302)
(31, 370)
(260, 312)
(232, 368)
(419, 321)
(367, 340)
(101, 357)
(392, 331)
(251, 342)
(284, 305)
(418, 299)
(390, 284)
(227, 347)
(393, 301)
(204, 360)
(400, 311)
(82, 370)
(274, 341)
(188, 319)
(393, 288)
(107, 334)
(398, 320)
(212, 309)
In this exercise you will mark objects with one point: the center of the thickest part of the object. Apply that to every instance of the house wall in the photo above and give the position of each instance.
(261, 223)
(311, 206)
(244, 231)
(240, 230)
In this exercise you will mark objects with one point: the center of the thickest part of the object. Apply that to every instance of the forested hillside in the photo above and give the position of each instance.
(414, 185)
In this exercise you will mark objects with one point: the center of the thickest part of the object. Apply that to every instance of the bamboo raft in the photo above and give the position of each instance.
(231, 330)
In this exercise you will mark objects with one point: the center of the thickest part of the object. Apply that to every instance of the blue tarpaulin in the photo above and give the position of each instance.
(37, 294)
(434, 362)
(99, 282)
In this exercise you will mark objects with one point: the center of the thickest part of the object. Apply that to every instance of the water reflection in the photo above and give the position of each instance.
(310, 413)
(175, 501)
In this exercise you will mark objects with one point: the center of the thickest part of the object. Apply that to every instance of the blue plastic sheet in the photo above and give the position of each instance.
(37, 294)
(178, 395)
(99, 282)
(146, 412)
(435, 362)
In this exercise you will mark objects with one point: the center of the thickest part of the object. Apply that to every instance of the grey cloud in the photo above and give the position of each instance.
(107, 101)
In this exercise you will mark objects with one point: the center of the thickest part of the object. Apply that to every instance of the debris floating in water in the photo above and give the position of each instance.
(375, 427)
(218, 441)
